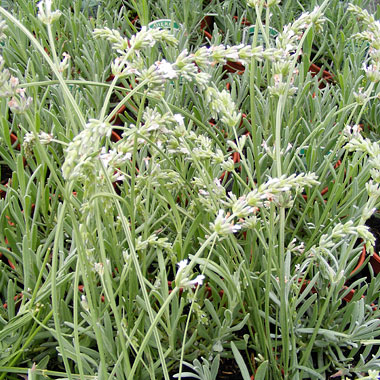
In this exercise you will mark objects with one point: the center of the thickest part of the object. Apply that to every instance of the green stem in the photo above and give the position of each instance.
(166, 304)
(90, 288)
(125, 100)
(280, 107)
(107, 285)
(189, 315)
(54, 290)
(69, 81)
(130, 239)
(77, 344)
(258, 20)
(252, 73)
(38, 282)
(268, 276)
(134, 158)
(107, 99)
(284, 318)
(52, 46)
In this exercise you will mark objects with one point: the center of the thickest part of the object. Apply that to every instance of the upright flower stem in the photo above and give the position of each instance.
(281, 242)
(268, 285)
(76, 306)
(90, 288)
(107, 283)
(265, 35)
(279, 111)
(130, 238)
(189, 316)
(124, 100)
(56, 62)
(252, 74)
(110, 90)
(52, 45)
(107, 99)
(284, 317)
(54, 289)
(134, 157)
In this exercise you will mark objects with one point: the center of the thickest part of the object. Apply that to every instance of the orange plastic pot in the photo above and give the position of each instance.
(14, 140)
(234, 67)
(206, 25)
(244, 21)
(375, 263)
(327, 77)
(115, 137)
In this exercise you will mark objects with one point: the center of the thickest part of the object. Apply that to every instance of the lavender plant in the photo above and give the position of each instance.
(172, 244)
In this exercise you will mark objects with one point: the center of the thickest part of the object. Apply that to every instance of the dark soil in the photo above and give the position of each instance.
(229, 370)
(6, 173)
(374, 225)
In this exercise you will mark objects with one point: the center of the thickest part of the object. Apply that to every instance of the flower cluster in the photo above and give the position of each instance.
(240, 207)
(30, 140)
(374, 375)
(287, 43)
(223, 225)
(9, 87)
(20, 102)
(145, 38)
(280, 86)
(45, 14)
(153, 240)
(262, 3)
(219, 54)
(296, 249)
(3, 27)
(129, 61)
(155, 126)
(64, 64)
(342, 230)
(111, 161)
(356, 142)
(271, 190)
(222, 106)
(324, 250)
(277, 190)
(186, 66)
(81, 150)
(182, 276)
(209, 191)
(372, 36)
(152, 174)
